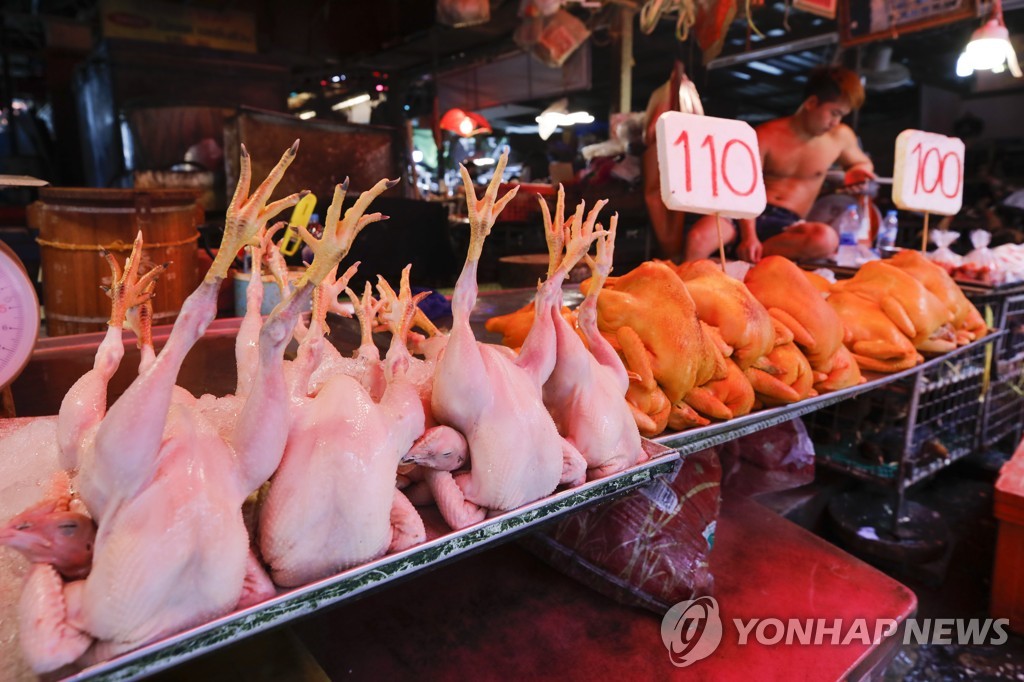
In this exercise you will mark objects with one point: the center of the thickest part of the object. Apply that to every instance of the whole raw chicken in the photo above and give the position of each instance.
(54, 532)
(492, 399)
(333, 502)
(164, 487)
(86, 401)
(585, 393)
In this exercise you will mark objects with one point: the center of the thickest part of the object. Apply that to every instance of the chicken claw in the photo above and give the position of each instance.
(484, 211)
(366, 312)
(248, 215)
(339, 233)
(128, 290)
(398, 311)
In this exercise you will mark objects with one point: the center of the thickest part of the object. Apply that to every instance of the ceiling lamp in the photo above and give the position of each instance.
(464, 123)
(558, 115)
(989, 48)
(350, 102)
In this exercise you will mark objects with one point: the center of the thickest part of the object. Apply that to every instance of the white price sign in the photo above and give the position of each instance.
(929, 173)
(709, 165)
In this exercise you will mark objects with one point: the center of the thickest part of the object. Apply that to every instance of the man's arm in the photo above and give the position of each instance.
(749, 246)
(854, 161)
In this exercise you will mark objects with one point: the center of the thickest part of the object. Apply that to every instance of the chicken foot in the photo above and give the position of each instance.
(248, 215)
(85, 404)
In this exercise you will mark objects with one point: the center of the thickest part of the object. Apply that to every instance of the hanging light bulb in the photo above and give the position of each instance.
(989, 48)
(558, 115)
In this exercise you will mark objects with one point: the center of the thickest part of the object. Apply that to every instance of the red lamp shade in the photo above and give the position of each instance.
(464, 123)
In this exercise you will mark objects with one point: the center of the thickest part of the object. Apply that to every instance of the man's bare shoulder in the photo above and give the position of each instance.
(772, 126)
(843, 135)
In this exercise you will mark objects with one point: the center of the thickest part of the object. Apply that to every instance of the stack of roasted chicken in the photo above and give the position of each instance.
(701, 346)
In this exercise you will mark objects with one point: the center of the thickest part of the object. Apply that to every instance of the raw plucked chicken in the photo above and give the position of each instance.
(585, 393)
(493, 400)
(164, 487)
(333, 502)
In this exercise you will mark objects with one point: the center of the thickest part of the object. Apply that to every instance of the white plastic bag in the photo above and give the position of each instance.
(981, 256)
(943, 255)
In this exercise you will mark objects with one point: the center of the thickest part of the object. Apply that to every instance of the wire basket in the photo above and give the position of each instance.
(1007, 312)
(1004, 406)
(1013, 323)
(880, 436)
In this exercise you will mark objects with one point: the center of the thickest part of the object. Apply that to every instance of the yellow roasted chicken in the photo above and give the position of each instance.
(789, 296)
(876, 342)
(725, 398)
(653, 302)
(916, 311)
(967, 321)
(783, 376)
(725, 303)
(514, 326)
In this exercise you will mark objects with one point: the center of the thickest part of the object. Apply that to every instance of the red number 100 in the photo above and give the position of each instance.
(709, 142)
(940, 175)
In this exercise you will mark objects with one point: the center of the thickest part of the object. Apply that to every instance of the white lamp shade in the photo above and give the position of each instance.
(989, 50)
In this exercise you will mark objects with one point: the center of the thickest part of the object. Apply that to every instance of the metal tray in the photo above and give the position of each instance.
(360, 580)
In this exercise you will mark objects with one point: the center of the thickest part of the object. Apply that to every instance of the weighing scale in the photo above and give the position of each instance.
(19, 310)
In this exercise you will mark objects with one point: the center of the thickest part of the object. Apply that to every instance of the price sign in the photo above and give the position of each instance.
(709, 165)
(929, 172)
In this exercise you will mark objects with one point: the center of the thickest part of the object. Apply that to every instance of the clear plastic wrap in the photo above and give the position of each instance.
(649, 548)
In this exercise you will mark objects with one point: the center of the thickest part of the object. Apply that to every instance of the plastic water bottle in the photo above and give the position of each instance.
(886, 241)
(848, 226)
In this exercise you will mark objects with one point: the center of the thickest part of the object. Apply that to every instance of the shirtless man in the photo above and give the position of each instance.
(796, 152)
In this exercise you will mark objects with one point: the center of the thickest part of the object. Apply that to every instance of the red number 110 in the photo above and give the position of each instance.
(709, 143)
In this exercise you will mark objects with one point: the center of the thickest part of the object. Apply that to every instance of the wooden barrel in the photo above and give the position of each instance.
(76, 223)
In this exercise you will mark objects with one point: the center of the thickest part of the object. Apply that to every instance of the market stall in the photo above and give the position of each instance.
(343, 437)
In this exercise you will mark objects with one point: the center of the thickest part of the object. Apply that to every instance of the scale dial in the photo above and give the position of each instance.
(19, 316)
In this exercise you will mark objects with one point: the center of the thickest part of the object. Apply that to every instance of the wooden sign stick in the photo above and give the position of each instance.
(924, 237)
(721, 242)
